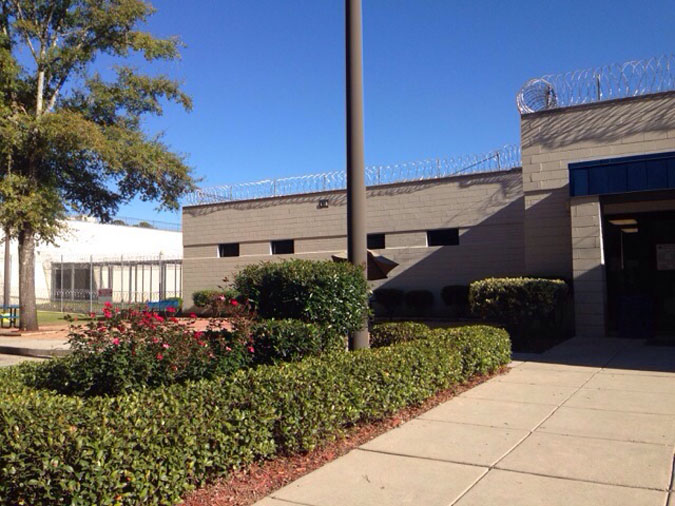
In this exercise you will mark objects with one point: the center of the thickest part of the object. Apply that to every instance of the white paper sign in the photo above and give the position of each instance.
(665, 257)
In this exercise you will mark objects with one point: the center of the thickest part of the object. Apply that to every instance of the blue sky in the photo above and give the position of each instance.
(267, 76)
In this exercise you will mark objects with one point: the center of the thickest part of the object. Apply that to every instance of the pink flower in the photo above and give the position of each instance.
(107, 313)
(250, 348)
(227, 348)
(221, 297)
(155, 340)
(193, 315)
(159, 356)
(234, 302)
(107, 304)
(165, 346)
(170, 309)
(159, 318)
(92, 315)
(116, 341)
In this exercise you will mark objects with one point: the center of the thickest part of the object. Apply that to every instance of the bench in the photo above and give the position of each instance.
(163, 305)
(11, 318)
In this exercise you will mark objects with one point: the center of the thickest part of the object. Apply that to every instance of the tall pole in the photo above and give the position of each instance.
(356, 185)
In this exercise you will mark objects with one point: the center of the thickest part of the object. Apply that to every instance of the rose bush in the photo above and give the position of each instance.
(134, 348)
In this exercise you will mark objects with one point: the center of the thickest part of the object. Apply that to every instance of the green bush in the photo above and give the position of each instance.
(130, 350)
(202, 298)
(333, 294)
(389, 299)
(526, 306)
(483, 348)
(291, 340)
(151, 446)
(386, 334)
(419, 300)
(456, 297)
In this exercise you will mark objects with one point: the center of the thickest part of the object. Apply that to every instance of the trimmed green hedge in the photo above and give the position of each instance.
(331, 294)
(386, 334)
(152, 446)
(527, 306)
(291, 340)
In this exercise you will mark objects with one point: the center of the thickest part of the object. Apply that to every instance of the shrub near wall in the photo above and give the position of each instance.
(527, 306)
(150, 447)
(334, 294)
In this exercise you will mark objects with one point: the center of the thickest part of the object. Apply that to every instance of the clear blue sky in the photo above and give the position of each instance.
(267, 76)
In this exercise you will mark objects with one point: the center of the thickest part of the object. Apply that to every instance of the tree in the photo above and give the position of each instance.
(70, 140)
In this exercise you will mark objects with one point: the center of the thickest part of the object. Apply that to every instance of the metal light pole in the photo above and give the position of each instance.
(356, 185)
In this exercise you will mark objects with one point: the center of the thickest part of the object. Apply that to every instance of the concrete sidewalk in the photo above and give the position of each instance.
(591, 422)
(34, 346)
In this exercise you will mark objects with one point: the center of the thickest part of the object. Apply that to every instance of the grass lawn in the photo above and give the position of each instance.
(51, 317)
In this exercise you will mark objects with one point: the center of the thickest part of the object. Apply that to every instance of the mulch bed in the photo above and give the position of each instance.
(246, 486)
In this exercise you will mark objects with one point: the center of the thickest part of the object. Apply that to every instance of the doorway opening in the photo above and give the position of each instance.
(640, 272)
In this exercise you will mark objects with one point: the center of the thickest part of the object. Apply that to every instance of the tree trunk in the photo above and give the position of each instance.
(27, 280)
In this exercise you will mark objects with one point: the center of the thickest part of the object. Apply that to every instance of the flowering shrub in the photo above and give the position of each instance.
(151, 446)
(131, 349)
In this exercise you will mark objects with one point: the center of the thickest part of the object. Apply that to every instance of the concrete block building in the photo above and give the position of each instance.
(588, 196)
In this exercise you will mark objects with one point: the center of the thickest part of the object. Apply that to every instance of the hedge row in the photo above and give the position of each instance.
(150, 447)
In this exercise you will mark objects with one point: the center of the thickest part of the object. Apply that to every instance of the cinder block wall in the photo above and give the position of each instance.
(551, 140)
(486, 208)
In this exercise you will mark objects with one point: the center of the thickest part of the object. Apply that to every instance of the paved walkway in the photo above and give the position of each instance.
(591, 422)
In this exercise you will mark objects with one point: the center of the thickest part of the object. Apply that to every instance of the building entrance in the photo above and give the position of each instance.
(640, 271)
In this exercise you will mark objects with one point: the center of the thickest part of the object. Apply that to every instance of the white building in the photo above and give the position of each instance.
(93, 261)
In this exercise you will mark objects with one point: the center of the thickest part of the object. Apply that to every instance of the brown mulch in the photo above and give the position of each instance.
(246, 486)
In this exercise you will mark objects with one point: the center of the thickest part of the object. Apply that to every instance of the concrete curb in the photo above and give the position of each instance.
(33, 352)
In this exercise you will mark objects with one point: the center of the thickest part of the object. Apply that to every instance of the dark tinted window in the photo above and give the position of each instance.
(228, 250)
(443, 237)
(376, 241)
(284, 247)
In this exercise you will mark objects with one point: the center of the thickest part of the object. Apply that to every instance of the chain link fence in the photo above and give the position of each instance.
(86, 284)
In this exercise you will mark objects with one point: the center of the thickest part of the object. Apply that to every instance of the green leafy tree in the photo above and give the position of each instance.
(70, 140)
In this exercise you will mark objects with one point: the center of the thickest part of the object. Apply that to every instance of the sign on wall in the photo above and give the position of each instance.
(105, 294)
(665, 257)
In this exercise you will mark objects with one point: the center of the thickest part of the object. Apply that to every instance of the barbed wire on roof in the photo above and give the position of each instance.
(618, 80)
(505, 158)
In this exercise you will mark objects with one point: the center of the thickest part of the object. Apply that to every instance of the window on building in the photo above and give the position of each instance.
(228, 250)
(443, 237)
(285, 247)
(376, 241)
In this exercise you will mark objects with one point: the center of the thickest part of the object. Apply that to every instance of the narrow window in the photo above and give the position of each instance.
(285, 247)
(228, 250)
(376, 241)
(443, 237)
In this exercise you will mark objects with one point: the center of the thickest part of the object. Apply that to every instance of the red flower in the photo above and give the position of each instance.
(155, 340)
(107, 304)
(173, 319)
(170, 309)
(116, 341)
(92, 315)
(159, 318)
(159, 356)
(107, 313)
(193, 315)
(234, 302)
(198, 334)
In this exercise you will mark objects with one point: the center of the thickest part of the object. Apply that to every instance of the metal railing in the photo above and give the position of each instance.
(607, 82)
(505, 158)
